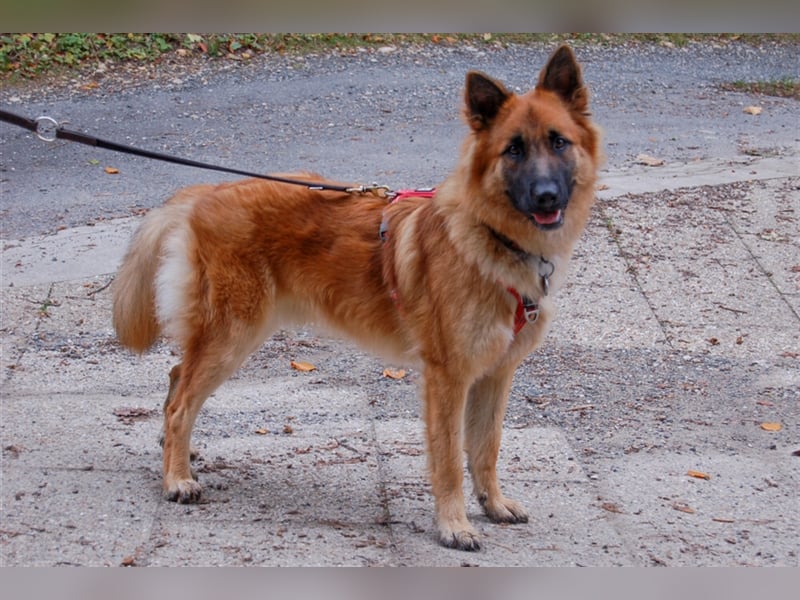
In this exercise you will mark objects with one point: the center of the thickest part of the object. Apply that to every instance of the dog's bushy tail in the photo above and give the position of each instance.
(134, 290)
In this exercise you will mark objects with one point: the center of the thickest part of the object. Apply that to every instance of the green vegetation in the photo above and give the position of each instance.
(785, 88)
(30, 55)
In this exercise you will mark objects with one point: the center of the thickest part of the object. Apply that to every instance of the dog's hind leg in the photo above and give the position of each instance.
(486, 406)
(174, 377)
(208, 360)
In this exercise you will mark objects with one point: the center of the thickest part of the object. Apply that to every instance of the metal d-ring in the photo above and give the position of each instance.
(46, 128)
(546, 269)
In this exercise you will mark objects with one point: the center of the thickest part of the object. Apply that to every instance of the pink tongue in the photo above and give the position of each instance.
(547, 218)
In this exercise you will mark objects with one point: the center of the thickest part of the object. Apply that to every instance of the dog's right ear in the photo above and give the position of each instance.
(484, 96)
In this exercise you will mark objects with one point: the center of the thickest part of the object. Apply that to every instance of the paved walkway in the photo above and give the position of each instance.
(677, 339)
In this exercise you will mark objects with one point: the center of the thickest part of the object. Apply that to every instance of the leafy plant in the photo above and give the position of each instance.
(30, 55)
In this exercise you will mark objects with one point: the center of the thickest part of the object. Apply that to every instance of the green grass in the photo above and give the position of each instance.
(785, 88)
(33, 55)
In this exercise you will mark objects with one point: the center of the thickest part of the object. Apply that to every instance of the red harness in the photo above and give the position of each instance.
(527, 310)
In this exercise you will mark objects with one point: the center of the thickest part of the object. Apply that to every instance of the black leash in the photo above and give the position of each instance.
(49, 130)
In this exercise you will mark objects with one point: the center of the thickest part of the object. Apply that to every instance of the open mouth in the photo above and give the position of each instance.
(548, 219)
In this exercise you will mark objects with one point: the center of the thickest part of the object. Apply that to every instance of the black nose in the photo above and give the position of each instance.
(545, 193)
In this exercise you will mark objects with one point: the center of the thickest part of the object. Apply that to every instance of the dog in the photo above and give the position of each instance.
(460, 284)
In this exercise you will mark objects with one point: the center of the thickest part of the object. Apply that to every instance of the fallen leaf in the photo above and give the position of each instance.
(611, 507)
(723, 520)
(288, 429)
(128, 561)
(770, 235)
(261, 431)
(753, 110)
(683, 508)
(600, 187)
(698, 474)
(394, 373)
(713, 341)
(771, 426)
(649, 161)
(111, 170)
(299, 365)
(128, 415)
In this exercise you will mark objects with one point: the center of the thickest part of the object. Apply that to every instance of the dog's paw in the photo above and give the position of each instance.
(503, 510)
(464, 539)
(186, 491)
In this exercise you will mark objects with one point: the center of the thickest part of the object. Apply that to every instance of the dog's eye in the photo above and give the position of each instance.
(559, 143)
(515, 149)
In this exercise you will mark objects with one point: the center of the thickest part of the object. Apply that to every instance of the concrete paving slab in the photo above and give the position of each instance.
(703, 283)
(254, 542)
(54, 517)
(44, 431)
(567, 528)
(639, 179)
(601, 291)
(67, 254)
(745, 514)
(21, 315)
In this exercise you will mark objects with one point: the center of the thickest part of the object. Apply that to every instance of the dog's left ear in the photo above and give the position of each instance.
(562, 75)
(484, 96)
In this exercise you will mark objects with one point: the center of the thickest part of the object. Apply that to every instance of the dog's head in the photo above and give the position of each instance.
(537, 147)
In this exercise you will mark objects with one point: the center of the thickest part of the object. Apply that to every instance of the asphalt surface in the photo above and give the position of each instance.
(658, 425)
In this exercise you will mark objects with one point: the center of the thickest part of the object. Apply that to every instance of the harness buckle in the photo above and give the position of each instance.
(530, 310)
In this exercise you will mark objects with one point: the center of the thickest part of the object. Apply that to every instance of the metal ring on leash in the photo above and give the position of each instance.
(46, 129)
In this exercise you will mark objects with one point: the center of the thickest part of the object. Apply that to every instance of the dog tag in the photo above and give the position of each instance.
(546, 269)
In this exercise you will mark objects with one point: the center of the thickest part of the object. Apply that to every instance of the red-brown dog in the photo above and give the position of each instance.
(218, 268)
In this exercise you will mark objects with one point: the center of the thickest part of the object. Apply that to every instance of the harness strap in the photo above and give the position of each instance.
(397, 197)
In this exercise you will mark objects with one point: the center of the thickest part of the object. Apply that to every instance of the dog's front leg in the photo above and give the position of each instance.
(486, 407)
(445, 397)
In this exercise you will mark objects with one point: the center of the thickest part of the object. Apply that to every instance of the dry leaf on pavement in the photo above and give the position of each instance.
(649, 161)
(111, 170)
(394, 373)
(611, 507)
(698, 474)
(753, 110)
(771, 426)
(305, 367)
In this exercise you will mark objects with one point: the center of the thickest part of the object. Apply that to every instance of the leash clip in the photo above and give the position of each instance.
(381, 191)
(47, 128)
